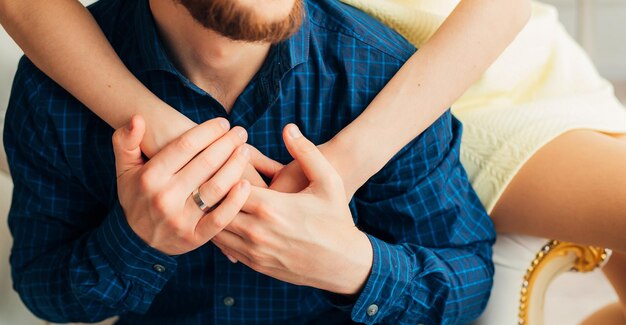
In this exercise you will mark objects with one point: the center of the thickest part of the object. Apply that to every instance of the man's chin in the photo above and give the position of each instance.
(240, 21)
(269, 11)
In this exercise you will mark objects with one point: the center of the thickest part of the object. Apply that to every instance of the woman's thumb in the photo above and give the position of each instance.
(126, 141)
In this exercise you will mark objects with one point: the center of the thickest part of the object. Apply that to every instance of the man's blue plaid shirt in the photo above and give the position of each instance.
(76, 259)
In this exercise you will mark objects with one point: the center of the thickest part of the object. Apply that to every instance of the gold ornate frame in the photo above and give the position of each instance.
(553, 259)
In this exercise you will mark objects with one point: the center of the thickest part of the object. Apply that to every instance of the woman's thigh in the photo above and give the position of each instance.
(615, 270)
(572, 189)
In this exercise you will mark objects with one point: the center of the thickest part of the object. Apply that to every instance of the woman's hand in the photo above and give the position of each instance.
(165, 125)
(290, 178)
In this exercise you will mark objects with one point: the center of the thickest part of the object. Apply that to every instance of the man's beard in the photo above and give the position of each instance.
(232, 20)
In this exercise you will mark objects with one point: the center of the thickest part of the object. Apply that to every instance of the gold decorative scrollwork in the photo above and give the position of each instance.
(587, 259)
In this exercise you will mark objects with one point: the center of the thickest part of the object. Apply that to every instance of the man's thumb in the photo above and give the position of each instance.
(313, 163)
(126, 141)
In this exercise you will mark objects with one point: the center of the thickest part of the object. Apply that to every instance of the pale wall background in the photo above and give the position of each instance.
(600, 27)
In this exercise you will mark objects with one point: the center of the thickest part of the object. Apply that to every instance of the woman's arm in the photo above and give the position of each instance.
(65, 42)
(68, 49)
(467, 43)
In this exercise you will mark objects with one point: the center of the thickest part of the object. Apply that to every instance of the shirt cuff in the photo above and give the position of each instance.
(130, 257)
(390, 275)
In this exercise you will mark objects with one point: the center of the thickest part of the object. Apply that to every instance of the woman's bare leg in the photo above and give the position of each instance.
(574, 189)
(615, 271)
(609, 315)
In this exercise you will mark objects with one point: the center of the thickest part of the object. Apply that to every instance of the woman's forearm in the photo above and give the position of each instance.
(465, 45)
(65, 42)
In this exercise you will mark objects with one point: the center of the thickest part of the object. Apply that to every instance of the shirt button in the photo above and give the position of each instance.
(229, 301)
(158, 268)
(372, 310)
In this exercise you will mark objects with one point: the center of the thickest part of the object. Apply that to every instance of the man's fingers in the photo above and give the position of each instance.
(312, 161)
(263, 164)
(126, 141)
(221, 183)
(210, 160)
(180, 151)
(215, 221)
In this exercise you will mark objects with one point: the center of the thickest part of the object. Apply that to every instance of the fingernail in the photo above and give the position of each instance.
(293, 131)
(224, 124)
(245, 151)
(232, 259)
(241, 132)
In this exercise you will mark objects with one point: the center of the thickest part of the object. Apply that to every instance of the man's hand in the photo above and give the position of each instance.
(155, 195)
(165, 124)
(306, 238)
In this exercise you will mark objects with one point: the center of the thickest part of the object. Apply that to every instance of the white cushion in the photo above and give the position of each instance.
(512, 256)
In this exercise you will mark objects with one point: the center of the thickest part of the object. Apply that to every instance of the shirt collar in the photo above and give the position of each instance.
(151, 55)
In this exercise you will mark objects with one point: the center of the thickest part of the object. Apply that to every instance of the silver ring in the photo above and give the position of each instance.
(196, 198)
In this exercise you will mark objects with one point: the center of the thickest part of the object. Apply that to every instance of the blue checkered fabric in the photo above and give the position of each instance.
(75, 258)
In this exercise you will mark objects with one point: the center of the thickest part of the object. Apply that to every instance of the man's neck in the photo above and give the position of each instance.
(218, 65)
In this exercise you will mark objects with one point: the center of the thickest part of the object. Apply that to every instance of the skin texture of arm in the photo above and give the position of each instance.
(465, 45)
(457, 54)
(57, 36)
(62, 39)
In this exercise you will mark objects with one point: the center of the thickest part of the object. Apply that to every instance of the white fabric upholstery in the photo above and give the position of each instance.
(512, 255)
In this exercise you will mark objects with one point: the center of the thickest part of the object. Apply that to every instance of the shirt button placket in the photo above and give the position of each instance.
(224, 294)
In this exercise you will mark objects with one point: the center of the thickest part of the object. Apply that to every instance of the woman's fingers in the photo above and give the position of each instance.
(263, 164)
(252, 175)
